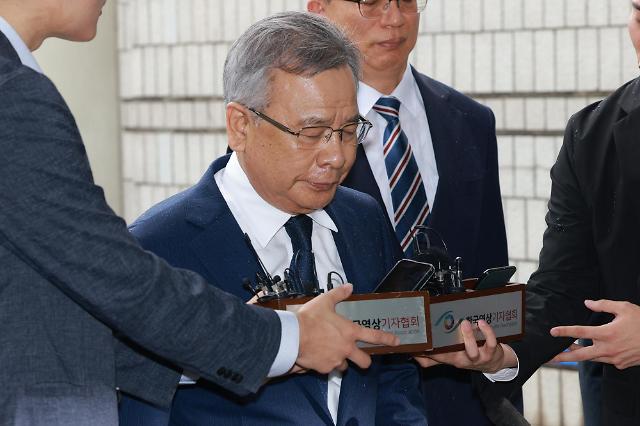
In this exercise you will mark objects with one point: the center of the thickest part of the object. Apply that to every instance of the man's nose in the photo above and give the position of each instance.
(332, 151)
(391, 14)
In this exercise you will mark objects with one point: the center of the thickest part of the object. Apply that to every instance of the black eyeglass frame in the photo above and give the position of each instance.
(325, 138)
(420, 9)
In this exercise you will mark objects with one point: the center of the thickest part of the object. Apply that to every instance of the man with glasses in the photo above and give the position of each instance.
(293, 124)
(430, 159)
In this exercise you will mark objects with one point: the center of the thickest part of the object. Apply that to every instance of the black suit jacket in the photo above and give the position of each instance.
(467, 212)
(592, 243)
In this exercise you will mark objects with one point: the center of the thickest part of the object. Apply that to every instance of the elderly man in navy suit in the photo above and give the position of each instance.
(293, 123)
(431, 159)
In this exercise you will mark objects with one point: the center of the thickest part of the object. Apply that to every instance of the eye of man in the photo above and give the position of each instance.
(313, 132)
(349, 131)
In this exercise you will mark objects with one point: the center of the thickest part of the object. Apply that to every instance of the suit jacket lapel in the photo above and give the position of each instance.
(345, 240)
(7, 50)
(443, 119)
(625, 134)
(234, 254)
(220, 246)
(361, 177)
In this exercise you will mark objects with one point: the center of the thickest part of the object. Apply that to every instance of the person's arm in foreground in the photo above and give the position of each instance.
(55, 219)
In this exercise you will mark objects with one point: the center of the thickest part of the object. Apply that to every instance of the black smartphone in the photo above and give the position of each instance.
(406, 275)
(495, 277)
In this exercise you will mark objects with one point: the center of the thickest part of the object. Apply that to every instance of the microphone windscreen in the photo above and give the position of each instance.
(435, 256)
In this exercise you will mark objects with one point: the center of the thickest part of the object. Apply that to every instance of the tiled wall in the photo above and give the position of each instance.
(534, 62)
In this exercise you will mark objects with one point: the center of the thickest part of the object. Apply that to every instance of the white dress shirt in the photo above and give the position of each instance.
(25, 55)
(264, 224)
(414, 123)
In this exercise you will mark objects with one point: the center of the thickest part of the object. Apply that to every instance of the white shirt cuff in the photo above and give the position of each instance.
(506, 374)
(188, 378)
(289, 344)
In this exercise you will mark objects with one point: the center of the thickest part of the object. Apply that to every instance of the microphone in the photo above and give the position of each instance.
(247, 240)
(330, 280)
(246, 284)
(434, 255)
(448, 276)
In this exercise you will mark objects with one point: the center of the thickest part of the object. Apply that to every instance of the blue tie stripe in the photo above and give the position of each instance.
(410, 204)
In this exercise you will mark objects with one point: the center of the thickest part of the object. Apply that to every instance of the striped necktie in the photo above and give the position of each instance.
(410, 204)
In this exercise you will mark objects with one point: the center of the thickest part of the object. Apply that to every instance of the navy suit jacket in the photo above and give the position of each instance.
(196, 230)
(467, 213)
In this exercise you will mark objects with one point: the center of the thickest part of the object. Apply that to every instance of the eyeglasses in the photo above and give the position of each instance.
(313, 137)
(373, 9)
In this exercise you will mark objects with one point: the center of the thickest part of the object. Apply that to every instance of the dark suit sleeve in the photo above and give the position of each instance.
(567, 274)
(55, 219)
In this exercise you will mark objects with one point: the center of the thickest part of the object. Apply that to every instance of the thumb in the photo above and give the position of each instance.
(340, 293)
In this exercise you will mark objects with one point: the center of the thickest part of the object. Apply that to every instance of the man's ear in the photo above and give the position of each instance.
(315, 6)
(238, 122)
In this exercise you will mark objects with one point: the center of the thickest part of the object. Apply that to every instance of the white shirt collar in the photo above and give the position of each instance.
(25, 55)
(406, 91)
(263, 219)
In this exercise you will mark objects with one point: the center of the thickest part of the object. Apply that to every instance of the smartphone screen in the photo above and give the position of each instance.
(406, 275)
(495, 277)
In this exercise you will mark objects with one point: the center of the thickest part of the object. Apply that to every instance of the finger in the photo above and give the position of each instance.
(470, 344)
(576, 332)
(604, 305)
(489, 335)
(375, 337)
(585, 353)
(458, 359)
(360, 358)
(339, 293)
(573, 347)
(604, 360)
(425, 361)
(343, 366)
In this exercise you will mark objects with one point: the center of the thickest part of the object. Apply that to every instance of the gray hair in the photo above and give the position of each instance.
(295, 42)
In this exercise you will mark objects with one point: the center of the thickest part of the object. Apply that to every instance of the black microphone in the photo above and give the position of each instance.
(266, 274)
(246, 284)
(434, 255)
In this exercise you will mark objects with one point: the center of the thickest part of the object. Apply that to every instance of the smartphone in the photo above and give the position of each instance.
(495, 277)
(406, 275)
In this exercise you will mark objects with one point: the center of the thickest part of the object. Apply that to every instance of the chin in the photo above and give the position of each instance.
(81, 36)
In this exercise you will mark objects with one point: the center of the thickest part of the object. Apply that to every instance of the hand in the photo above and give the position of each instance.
(255, 298)
(489, 358)
(616, 343)
(327, 339)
